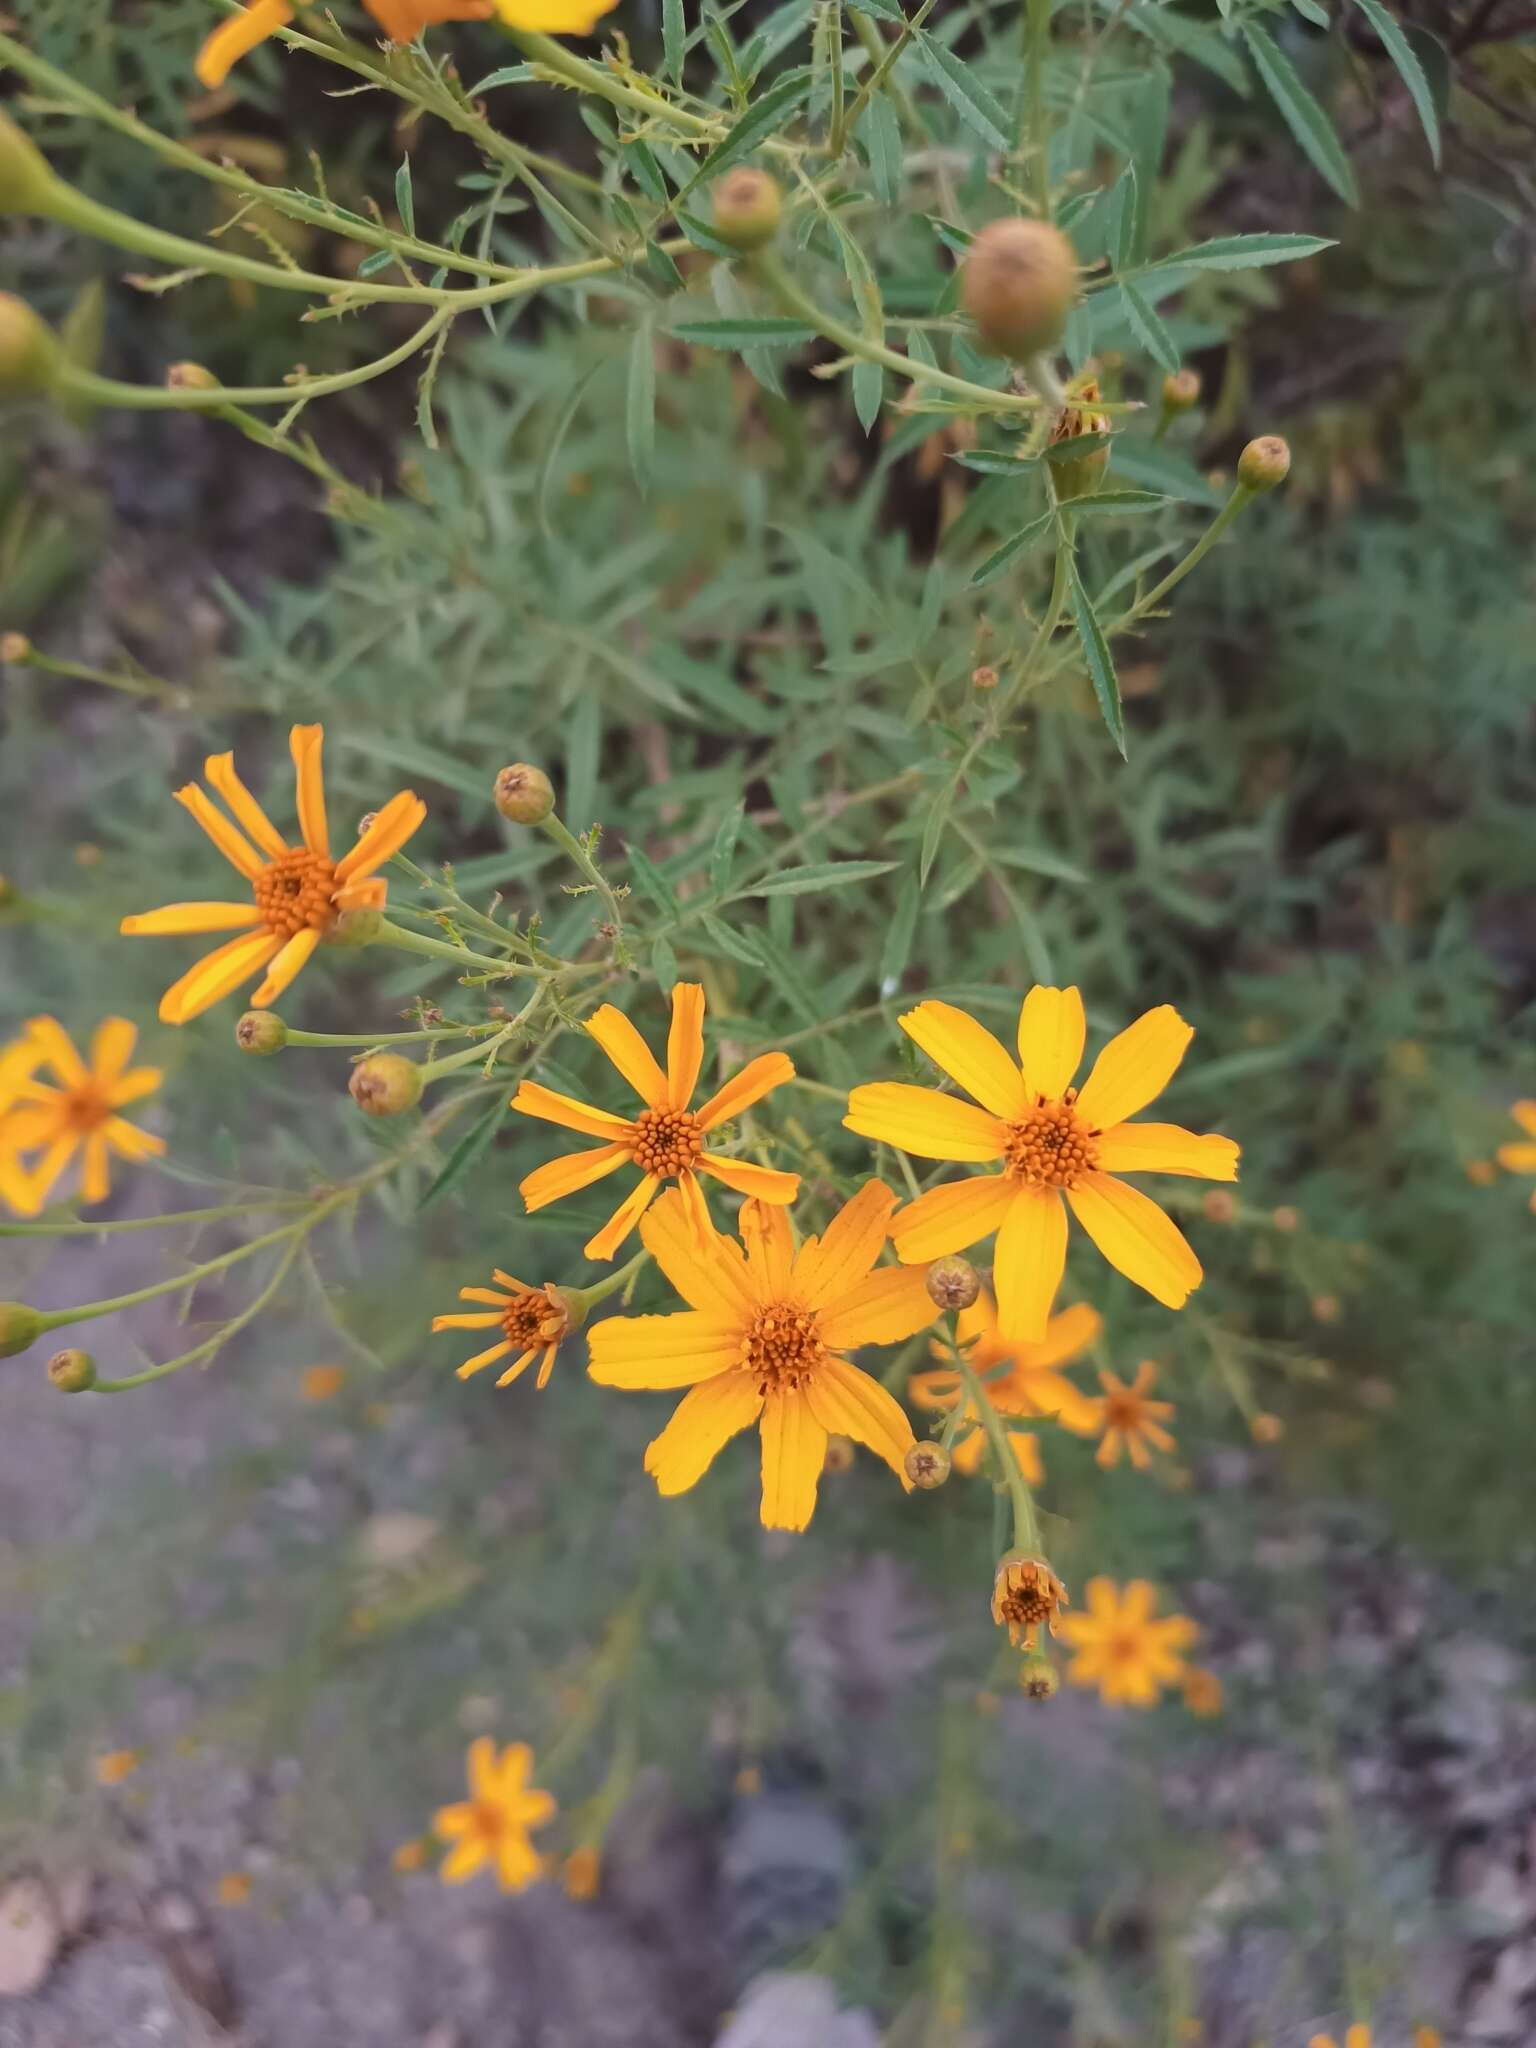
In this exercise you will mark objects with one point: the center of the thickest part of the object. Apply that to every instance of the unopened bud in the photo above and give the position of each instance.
(927, 1466)
(953, 1282)
(1078, 474)
(190, 377)
(72, 1372)
(1181, 392)
(524, 794)
(1018, 282)
(14, 647)
(261, 1033)
(747, 206)
(1286, 1219)
(29, 353)
(1038, 1678)
(1218, 1205)
(1264, 463)
(984, 678)
(20, 1327)
(385, 1084)
(27, 183)
(1266, 1429)
(355, 928)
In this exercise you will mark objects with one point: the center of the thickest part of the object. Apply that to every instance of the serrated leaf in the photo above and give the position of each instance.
(1244, 252)
(673, 38)
(1076, 447)
(882, 10)
(817, 875)
(1119, 502)
(733, 947)
(652, 880)
(469, 1150)
(1016, 544)
(1154, 467)
(882, 135)
(744, 333)
(964, 91)
(509, 74)
(704, 237)
(1301, 113)
(1309, 10)
(405, 198)
(723, 852)
(760, 120)
(1148, 328)
(1409, 69)
(640, 405)
(993, 462)
(1101, 667)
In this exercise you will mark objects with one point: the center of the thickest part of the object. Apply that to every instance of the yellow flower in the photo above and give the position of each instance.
(1521, 1157)
(1357, 2036)
(298, 892)
(666, 1140)
(580, 1873)
(531, 1320)
(762, 1341)
(409, 1856)
(116, 1765)
(1026, 1596)
(494, 1824)
(1052, 1140)
(80, 1115)
(1129, 1420)
(322, 1382)
(401, 20)
(1121, 1649)
(1204, 1693)
(1032, 1383)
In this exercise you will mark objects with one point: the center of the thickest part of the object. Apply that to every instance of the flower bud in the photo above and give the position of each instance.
(1264, 463)
(385, 1084)
(355, 928)
(72, 1372)
(1078, 476)
(1218, 1205)
(984, 677)
(953, 1282)
(261, 1033)
(524, 794)
(20, 1327)
(1038, 1678)
(190, 377)
(27, 183)
(1181, 392)
(747, 205)
(1018, 282)
(29, 353)
(14, 647)
(927, 1466)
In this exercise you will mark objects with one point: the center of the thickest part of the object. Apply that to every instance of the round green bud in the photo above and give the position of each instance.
(953, 1282)
(747, 206)
(190, 377)
(27, 183)
(14, 647)
(385, 1084)
(927, 1466)
(1038, 1678)
(29, 353)
(1018, 282)
(1264, 463)
(355, 928)
(1181, 391)
(261, 1034)
(72, 1372)
(524, 794)
(20, 1327)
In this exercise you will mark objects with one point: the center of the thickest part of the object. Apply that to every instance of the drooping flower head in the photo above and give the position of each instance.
(495, 1823)
(1026, 1597)
(1122, 1649)
(1051, 1139)
(532, 1320)
(1020, 1380)
(762, 1342)
(297, 892)
(401, 20)
(667, 1139)
(1131, 1420)
(81, 1114)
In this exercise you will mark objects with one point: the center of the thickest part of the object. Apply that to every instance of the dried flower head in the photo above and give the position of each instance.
(746, 207)
(524, 794)
(1026, 1597)
(1018, 282)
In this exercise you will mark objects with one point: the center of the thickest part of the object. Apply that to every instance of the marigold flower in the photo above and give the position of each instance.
(1053, 1140)
(322, 1382)
(532, 1321)
(496, 1821)
(1129, 1420)
(80, 1115)
(1032, 1384)
(1122, 1649)
(761, 1342)
(401, 20)
(298, 892)
(1026, 1597)
(666, 1140)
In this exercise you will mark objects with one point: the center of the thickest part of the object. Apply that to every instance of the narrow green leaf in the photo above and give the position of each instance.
(663, 963)
(405, 198)
(1301, 113)
(897, 950)
(652, 880)
(744, 333)
(1244, 252)
(817, 875)
(964, 91)
(673, 38)
(1409, 69)
(723, 852)
(761, 119)
(509, 74)
(1156, 468)
(1078, 446)
(732, 946)
(882, 136)
(868, 392)
(1113, 501)
(1101, 667)
(1025, 538)
(640, 405)
(882, 10)
(1309, 10)
(933, 832)
(470, 1148)
(1148, 328)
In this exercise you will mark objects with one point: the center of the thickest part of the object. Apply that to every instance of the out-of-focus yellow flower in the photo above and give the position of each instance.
(81, 1114)
(532, 1321)
(1204, 1694)
(1266, 1429)
(322, 1382)
(1051, 1139)
(1481, 1172)
(297, 892)
(580, 1873)
(495, 1823)
(1032, 1384)
(762, 1342)
(401, 20)
(1121, 1648)
(116, 1765)
(1521, 1156)
(233, 1888)
(1130, 1420)
(666, 1140)
(1357, 2036)
(410, 1856)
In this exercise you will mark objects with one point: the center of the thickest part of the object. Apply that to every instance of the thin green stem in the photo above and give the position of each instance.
(172, 695)
(214, 1344)
(1035, 125)
(611, 1284)
(1026, 1527)
(341, 1038)
(81, 1228)
(882, 71)
(440, 949)
(565, 64)
(1061, 583)
(89, 1311)
(556, 829)
(1202, 547)
(472, 1055)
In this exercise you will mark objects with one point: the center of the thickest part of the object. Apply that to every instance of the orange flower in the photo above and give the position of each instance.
(401, 20)
(80, 1115)
(532, 1320)
(1521, 1157)
(1203, 1693)
(1121, 1649)
(1032, 1383)
(322, 1382)
(1129, 1420)
(116, 1765)
(581, 1872)
(762, 1342)
(496, 1821)
(1052, 1140)
(298, 892)
(666, 1140)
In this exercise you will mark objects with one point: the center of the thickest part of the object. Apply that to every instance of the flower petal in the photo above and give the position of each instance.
(372, 893)
(533, 1099)
(847, 1402)
(555, 17)
(605, 1242)
(891, 1304)
(285, 967)
(969, 1054)
(219, 773)
(234, 846)
(1137, 1237)
(305, 743)
(58, 1049)
(190, 917)
(391, 828)
(950, 1218)
(129, 1142)
(1166, 1148)
(710, 1275)
(704, 1421)
(1052, 1029)
(1517, 1158)
(482, 1359)
(832, 1265)
(640, 1352)
(572, 1171)
(1028, 1263)
(629, 1053)
(924, 1122)
(1134, 1068)
(464, 1858)
(112, 1045)
(761, 1183)
(685, 1042)
(520, 1364)
(1524, 1114)
(794, 1451)
(757, 1078)
(232, 39)
(96, 1173)
(486, 1320)
(217, 973)
(1065, 1336)
(770, 1248)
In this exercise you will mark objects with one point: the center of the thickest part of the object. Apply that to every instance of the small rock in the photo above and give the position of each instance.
(30, 1933)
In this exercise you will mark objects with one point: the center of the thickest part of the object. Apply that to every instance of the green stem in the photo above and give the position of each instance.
(434, 1070)
(391, 934)
(89, 1311)
(1036, 134)
(1202, 547)
(876, 81)
(611, 1284)
(1026, 1528)
(563, 63)
(172, 695)
(1061, 581)
(104, 1228)
(210, 1345)
(556, 829)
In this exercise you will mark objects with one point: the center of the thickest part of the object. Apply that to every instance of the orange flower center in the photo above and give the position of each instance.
(1051, 1147)
(1123, 1647)
(86, 1107)
(666, 1141)
(783, 1347)
(490, 1822)
(531, 1319)
(295, 891)
(1123, 1410)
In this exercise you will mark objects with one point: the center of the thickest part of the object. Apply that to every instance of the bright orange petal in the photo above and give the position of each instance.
(281, 973)
(555, 17)
(569, 1173)
(832, 1265)
(794, 1452)
(533, 1099)
(891, 1304)
(924, 1122)
(369, 894)
(969, 1054)
(190, 917)
(1524, 1114)
(640, 1352)
(234, 846)
(305, 743)
(219, 773)
(710, 1275)
(129, 1141)
(685, 1043)
(134, 1086)
(629, 1053)
(950, 1218)
(847, 1402)
(391, 828)
(112, 1045)
(1066, 1335)
(1028, 1263)
(1134, 1068)
(58, 1049)
(762, 1183)
(1166, 1148)
(770, 1247)
(96, 1174)
(217, 974)
(606, 1241)
(1518, 1158)
(482, 1359)
(1137, 1237)
(757, 1078)
(705, 1420)
(234, 38)
(1051, 1033)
